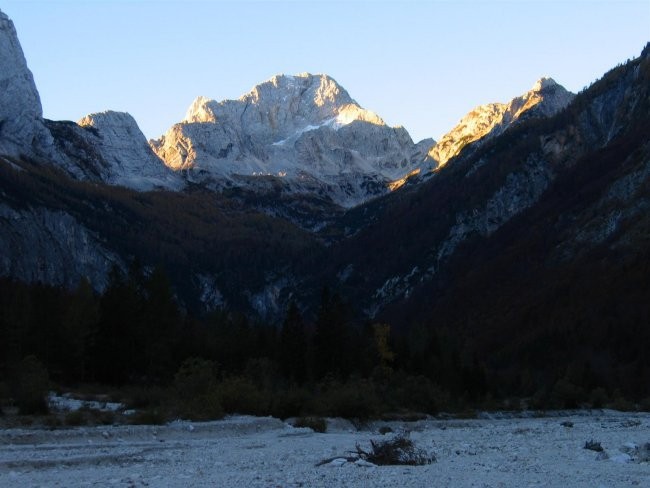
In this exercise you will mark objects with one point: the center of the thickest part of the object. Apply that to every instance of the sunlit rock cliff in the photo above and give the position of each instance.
(546, 98)
(305, 129)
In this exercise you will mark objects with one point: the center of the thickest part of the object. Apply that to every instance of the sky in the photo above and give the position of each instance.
(419, 64)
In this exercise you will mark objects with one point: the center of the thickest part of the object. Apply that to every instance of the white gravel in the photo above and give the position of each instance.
(265, 452)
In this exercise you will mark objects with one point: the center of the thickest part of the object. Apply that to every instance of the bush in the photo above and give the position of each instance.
(52, 421)
(644, 406)
(593, 446)
(566, 395)
(4, 395)
(317, 424)
(598, 397)
(622, 405)
(203, 407)
(292, 402)
(74, 418)
(196, 389)
(240, 395)
(415, 393)
(138, 397)
(355, 399)
(195, 377)
(151, 416)
(32, 388)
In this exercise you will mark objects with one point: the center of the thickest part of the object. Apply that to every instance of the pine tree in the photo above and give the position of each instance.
(332, 338)
(293, 346)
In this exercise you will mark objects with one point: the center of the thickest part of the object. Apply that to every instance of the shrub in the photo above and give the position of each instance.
(593, 446)
(416, 393)
(151, 416)
(355, 399)
(240, 395)
(4, 394)
(203, 407)
(195, 377)
(566, 395)
(139, 397)
(292, 402)
(32, 387)
(317, 424)
(196, 389)
(598, 397)
(644, 406)
(101, 417)
(74, 418)
(622, 405)
(52, 421)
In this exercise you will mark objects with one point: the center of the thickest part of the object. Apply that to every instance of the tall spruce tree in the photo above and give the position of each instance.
(332, 338)
(293, 346)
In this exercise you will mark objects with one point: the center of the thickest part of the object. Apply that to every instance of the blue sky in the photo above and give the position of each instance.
(420, 64)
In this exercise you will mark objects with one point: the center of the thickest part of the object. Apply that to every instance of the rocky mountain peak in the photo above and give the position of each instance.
(544, 83)
(545, 99)
(320, 90)
(199, 111)
(303, 128)
(111, 119)
(124, 152)
(21, 125)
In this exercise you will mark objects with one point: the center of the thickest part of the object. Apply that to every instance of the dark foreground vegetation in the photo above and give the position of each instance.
(136, 342)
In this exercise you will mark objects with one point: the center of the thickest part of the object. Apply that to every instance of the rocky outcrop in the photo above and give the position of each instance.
(305, 129)
(22, 131)
(39, 245)
(109, 147)
(546, 98)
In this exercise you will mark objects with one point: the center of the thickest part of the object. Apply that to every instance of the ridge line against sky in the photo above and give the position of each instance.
(420, 64)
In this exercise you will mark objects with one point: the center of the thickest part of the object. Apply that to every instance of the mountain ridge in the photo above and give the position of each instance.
(544, 99)
(258, 241)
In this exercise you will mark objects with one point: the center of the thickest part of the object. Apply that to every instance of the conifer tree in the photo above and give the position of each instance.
(293, 346)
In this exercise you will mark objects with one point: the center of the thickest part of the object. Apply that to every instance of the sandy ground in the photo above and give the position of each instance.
(265, 452)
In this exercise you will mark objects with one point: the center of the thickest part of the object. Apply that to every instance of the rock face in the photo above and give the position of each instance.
(109, 146)
(305, 129)
(546, 98)
(21, 125)
(42, 245)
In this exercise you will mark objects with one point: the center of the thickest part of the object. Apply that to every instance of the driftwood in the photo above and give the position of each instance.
(349, 459)
(397, 451)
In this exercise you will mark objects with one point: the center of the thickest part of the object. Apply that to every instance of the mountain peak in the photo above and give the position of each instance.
(315, 97)
(109, 118)
(319, 89)
(544, 83)
(304, 128)
(199, 111)
(124, 149)
(20, 105)
(546, 98)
